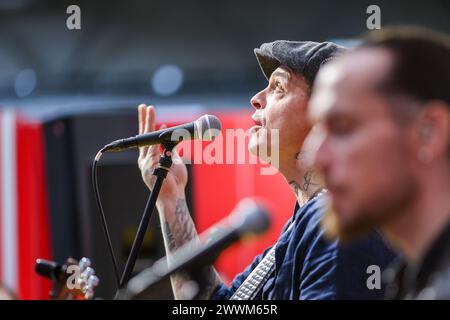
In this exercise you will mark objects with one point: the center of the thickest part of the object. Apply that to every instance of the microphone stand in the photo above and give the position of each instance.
(165, 162)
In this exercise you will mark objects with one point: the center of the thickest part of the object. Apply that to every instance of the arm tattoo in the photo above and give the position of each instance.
(182, 229)
(178, 233)
(171, 244)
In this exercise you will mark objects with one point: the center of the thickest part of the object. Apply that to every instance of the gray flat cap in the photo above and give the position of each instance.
(304, 57)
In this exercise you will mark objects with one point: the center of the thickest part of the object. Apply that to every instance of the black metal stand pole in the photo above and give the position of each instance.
(160, 172)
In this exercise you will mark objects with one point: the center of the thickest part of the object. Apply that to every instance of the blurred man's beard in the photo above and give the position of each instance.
(373, 217)
(349, 231)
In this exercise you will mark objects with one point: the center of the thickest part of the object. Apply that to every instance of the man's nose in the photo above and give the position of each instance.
(258, 101)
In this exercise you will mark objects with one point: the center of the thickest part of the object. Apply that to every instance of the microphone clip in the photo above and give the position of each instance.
(165, 161)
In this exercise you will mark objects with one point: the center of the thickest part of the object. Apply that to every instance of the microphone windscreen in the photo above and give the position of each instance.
(207, 127)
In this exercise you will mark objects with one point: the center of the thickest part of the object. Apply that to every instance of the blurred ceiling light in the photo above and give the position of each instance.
(25, 82)
(167, 80)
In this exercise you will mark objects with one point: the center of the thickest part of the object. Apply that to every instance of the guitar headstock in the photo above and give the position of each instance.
(73, 280)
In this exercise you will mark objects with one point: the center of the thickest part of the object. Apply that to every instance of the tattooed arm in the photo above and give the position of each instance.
(176, 223)
(178, 229)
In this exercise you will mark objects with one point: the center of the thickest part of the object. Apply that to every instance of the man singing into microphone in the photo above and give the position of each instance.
(306, 265)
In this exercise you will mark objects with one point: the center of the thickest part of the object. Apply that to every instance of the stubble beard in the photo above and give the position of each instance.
(376, 215)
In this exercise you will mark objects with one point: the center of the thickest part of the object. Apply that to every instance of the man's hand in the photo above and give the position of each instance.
(176, 180)
(177, 226)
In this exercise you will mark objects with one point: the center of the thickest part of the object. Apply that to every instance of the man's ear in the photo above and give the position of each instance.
(433, 131)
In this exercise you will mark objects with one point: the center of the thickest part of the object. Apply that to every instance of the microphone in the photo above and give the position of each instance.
(206, 128)
(248, 218)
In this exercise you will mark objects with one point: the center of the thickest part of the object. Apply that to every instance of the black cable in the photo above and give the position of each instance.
(103, 218)
(165, 163)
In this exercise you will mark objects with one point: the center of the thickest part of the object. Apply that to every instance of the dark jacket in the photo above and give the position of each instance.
(308, 266)
(427, 280)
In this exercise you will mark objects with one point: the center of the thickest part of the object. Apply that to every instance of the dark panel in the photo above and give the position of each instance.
(62, 202)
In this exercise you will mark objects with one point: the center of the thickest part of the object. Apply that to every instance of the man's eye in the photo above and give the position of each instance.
(278, 86)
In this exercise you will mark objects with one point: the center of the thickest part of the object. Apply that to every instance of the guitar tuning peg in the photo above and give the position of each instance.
(88, 272)
(84, 277)
(93, 281)
(89, 294)
(84, 263)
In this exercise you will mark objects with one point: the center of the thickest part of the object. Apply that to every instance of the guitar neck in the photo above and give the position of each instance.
(257, 278)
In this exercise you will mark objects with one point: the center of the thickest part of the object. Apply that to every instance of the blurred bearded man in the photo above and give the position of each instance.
(302, 264)
(382, 114)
